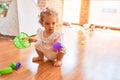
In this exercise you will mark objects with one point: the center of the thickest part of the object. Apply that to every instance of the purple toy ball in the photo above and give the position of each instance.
(57, 46)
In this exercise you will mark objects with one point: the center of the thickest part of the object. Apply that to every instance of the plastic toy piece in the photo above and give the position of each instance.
(82, 42)
(13, 65)
(57, 46)
(6, 70)
(18, 65)
(22, 41)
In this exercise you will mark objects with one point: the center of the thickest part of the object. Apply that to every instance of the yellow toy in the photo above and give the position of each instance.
(82, 42)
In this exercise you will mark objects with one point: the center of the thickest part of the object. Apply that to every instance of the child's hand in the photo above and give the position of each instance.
(25, 39)
(32, 39)
(57, 46)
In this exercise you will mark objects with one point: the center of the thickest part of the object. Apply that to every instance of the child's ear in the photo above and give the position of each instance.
(41, 23)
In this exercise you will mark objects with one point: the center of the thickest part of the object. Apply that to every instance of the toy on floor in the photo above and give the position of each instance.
(6, 70)
(22, 40)
(9, 69)
(57, 46)
(12, 65)
(17, 65)
(82, 42)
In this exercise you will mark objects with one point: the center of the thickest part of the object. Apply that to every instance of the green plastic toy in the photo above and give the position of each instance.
(12, 65)
(6, 70)
(22, 40)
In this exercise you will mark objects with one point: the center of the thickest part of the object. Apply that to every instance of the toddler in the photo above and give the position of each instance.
(47, 36)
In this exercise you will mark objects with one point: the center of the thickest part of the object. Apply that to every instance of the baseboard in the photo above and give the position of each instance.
(107, 27)
(7, 36)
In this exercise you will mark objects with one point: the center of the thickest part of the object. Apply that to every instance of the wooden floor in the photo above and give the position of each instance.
(90, 56)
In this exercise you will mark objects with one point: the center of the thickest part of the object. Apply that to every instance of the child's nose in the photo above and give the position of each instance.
(51, 25)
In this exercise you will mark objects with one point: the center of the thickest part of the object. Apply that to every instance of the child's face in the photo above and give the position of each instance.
(49, 23)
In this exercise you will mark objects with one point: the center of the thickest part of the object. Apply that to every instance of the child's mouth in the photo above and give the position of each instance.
(51, 30)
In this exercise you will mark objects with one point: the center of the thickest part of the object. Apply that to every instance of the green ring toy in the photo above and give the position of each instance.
(22, 41)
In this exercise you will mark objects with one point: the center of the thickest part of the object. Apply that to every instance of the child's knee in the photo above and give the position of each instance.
(36, 46)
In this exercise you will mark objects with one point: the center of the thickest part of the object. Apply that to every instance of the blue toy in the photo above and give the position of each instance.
(18, 65)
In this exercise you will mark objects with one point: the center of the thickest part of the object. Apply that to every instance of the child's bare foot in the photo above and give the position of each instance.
(36, 59)
(58, 63)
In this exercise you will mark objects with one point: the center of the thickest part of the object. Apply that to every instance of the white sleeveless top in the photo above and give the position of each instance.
(45, 44)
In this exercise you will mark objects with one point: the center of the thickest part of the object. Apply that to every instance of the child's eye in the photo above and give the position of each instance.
(53, 23)
(46, 23)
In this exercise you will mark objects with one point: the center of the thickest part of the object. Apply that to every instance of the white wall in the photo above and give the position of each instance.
(22, 17)
(105, 12)
(71, 11)
(9, 24)
(28, 16)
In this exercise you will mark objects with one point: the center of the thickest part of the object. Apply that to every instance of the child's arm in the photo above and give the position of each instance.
(57, 39)
(60, 53)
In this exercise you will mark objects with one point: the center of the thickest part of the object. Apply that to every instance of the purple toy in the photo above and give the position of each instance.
(18, 65)
(57, 46)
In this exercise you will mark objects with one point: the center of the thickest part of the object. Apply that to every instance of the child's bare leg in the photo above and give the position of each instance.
(40, 56)
(58, 62)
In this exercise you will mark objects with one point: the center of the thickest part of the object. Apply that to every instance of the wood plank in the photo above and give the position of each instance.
(97, 59)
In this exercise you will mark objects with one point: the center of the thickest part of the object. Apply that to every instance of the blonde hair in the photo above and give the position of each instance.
(48, 12)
